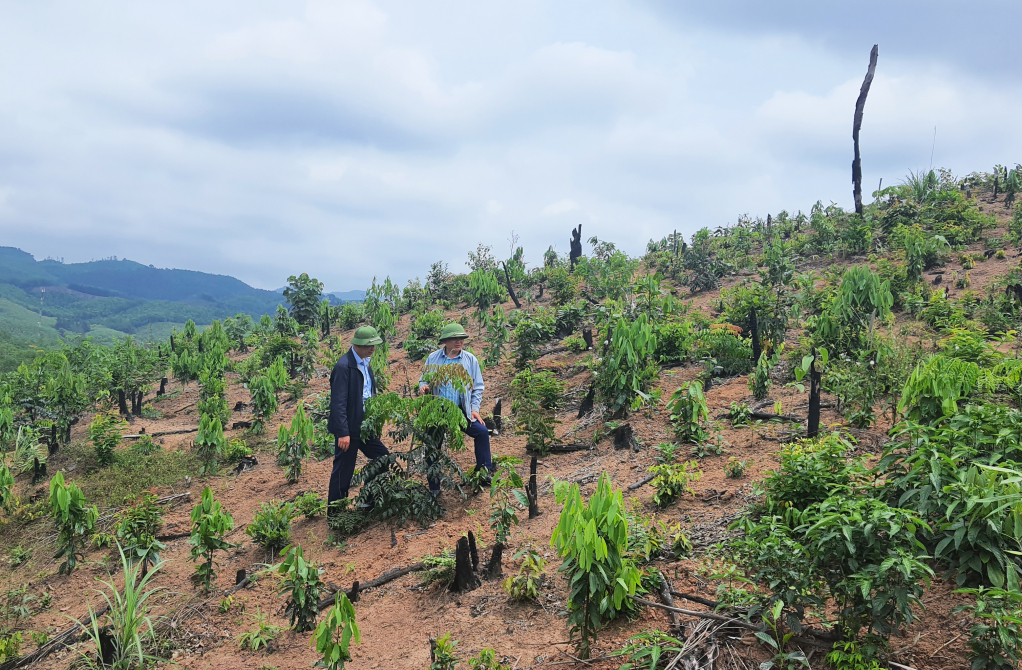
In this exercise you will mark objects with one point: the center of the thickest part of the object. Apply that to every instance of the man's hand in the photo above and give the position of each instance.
(476, 417)
(344, 442)
(423, 389)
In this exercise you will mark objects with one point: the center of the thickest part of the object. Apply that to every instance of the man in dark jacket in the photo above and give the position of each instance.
(351, 384)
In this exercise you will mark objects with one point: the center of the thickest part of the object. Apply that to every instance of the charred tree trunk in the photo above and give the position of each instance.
(122, 402)
(995, 189)
(136, 403)
(588, 402)
(623, 437)
(172, 344)
(532, 490)
(754, 331)
(576, 245)
(860, 105)
(813, 425)
(465, 578)
(495, 568)
(163, 387)
(587, 335)
(510, 288)
(498, 419)
(473, 551)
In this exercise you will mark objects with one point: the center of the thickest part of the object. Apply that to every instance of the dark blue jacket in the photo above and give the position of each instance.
(346, 411)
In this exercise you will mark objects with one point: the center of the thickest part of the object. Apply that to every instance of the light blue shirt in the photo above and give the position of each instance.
(367, 382)
(469, 402)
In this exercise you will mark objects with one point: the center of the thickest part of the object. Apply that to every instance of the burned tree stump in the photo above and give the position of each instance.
(532, 489)
(240, 576)
(813, 424)
(754, 330)
(587, 335)
(163, 387)
(576, 245)
(465, 578)
(473, 551)
(624, 438)
(122, 402)
(995, 189)
(860, 105)
(498, 420)
(495, 568)
(588, 402)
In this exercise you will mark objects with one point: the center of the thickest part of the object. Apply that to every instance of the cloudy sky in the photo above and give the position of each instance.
(353, 138)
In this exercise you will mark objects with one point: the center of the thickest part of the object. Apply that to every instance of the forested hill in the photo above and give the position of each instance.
(111, 297)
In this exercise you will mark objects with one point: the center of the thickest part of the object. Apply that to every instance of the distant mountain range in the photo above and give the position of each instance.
(40, 300)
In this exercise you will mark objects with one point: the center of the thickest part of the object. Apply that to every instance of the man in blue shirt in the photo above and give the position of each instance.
(351, 384)
(452, 351)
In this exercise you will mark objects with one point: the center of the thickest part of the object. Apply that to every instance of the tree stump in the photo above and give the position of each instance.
(588, 402)
(623, 438)
(813, 424)
(465, 578)
(587, 335)
(163, 387)
(532, 490)
(495, 568)
(498, 421)
(473, 551)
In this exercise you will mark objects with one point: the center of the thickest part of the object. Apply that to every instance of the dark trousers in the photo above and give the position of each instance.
(344, 464)
(481, 436)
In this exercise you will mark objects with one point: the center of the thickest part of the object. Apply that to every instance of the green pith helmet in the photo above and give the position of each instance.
(366, 336)
(453, 331)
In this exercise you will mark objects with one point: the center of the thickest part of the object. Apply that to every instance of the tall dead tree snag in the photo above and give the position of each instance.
(576, 245)
(754, 331)
(510, 287)
(815, 382)
(532, 490)
(860, 105)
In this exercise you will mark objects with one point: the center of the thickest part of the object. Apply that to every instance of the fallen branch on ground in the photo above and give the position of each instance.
(357, 588)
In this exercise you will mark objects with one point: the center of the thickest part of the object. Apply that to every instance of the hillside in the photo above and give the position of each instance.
(863, 533)
(124, 296)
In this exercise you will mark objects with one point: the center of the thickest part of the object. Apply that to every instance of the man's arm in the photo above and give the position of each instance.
(338, 424)
(477, 385)
(423, 386)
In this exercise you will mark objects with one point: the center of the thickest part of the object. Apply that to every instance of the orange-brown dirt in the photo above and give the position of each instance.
(397, 619)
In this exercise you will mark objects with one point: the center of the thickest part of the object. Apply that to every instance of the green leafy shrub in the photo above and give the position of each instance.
(506, 489)
(271, 525)
(236, 450)
(675, 342)
(136, 527)
(811, 471)
(672, 480)
(442, 654)
(8, 500)
(591, 538)
(264, 402)
(759, 380)
(294, 444)
(688, 409)
(261, 636)
(210, 443)
(735, 469)
(525, 585)
(310, 504)
(531, 330)
(105, 433)
(75, 520)
(438, 569)
(629, 366)
(575, 344)
(336, 632)
(996, 637)
(425, 330)
(935, 387)
(486, 659)
(301, 579)
(210, 526)
(542, 387)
